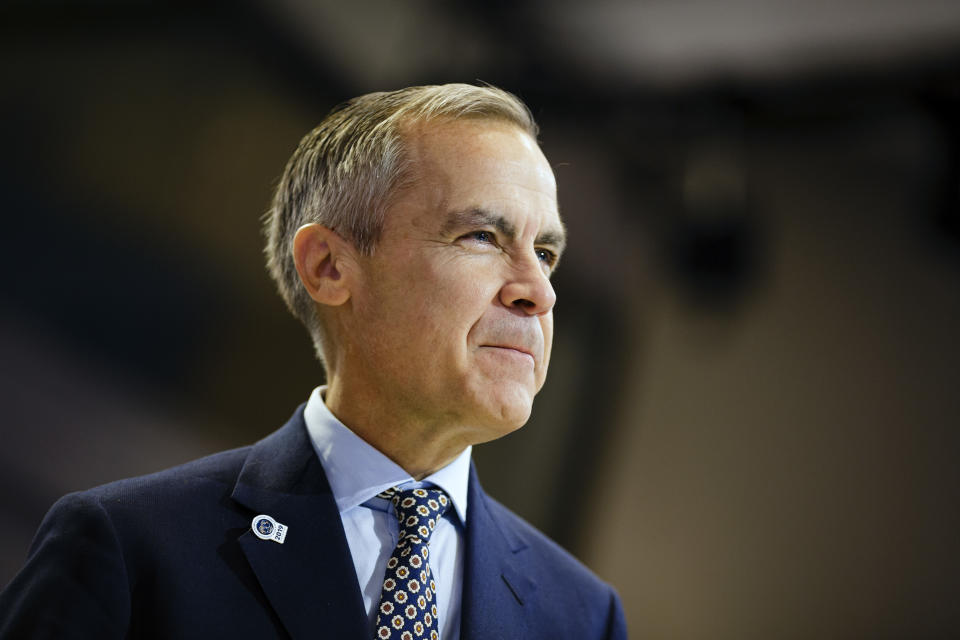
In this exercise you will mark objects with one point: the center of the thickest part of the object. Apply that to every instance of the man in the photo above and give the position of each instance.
(414, 233)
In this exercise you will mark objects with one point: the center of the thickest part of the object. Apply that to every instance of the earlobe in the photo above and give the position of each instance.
(318, 253)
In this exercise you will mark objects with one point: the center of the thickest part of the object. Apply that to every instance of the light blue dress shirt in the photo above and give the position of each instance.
(357, 472)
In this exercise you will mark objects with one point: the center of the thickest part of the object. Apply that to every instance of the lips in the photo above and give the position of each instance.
(521, 349)
(516, 354)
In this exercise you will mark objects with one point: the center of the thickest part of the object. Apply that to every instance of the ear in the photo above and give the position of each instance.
(320, 254)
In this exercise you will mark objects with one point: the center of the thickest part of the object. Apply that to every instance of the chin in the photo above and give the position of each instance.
(507, 412)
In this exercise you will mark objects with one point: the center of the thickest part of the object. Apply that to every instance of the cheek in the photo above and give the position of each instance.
(546, 325)
(440, 312)
(458, 299)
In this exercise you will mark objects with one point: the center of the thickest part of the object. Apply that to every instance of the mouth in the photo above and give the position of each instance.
(511, 350)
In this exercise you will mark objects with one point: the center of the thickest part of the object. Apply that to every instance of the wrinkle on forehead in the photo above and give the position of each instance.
(481, 164)
(428, 141)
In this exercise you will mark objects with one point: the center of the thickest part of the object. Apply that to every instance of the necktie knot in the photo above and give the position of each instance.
(418, 511)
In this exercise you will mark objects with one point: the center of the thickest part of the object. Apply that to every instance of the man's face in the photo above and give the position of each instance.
(453, 316)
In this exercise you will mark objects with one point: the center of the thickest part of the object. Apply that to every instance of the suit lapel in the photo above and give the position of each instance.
(495, 589)
(310, 579)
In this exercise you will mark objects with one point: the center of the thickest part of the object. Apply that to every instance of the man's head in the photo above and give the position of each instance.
(424, 258)
(344, 173)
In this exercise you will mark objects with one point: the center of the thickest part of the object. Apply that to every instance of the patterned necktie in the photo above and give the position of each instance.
(408, 608)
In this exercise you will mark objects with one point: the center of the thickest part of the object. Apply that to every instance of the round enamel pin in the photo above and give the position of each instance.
(266, 528)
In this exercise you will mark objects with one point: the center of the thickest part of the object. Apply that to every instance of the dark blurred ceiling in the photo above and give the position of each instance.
(653, 42)
(619, 42)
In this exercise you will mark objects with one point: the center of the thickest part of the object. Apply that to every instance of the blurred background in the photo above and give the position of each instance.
(750, 425)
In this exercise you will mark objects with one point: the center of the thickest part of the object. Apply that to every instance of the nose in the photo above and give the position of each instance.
(528, 289)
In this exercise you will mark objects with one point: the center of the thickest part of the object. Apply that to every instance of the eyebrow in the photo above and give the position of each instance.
(478, 217)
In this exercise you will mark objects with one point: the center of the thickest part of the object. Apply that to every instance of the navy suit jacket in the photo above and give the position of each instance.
(172, 555)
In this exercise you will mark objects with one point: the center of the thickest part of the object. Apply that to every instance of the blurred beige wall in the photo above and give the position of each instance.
(788, 469)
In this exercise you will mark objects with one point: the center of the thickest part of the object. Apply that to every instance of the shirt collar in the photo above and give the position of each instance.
(357, 471)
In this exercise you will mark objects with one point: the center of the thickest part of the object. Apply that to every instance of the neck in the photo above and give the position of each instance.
(419, 444)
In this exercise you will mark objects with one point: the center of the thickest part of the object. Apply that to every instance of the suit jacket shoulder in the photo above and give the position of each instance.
(521, 584)
(562, 566)
(172, 554)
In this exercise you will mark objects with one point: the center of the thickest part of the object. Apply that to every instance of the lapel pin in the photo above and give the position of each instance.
(266, 528)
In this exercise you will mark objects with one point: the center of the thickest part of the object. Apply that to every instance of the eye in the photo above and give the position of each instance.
(481, 235)
(546, 256)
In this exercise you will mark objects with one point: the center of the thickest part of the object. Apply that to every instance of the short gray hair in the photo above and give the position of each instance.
(344, 172)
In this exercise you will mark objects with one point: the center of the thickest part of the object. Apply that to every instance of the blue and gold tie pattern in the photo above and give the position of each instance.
(408, 601)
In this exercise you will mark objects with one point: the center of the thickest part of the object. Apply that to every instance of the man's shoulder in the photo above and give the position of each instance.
(549, 557)
(197, 499)
(221, 468)
(167, 496)
(557, 590)
(137, 547)
(217, 471)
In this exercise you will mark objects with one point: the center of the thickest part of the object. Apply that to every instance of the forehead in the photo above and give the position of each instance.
(479, 164)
